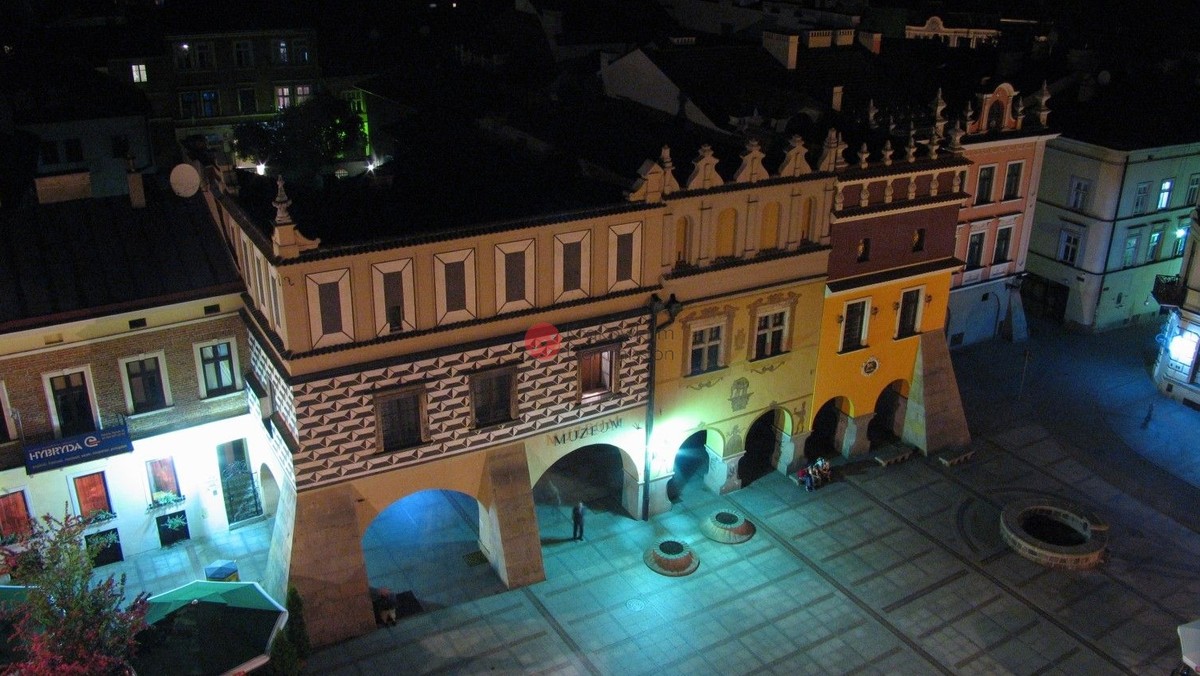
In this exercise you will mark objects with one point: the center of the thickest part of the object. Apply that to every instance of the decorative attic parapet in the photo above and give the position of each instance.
(705, 173)
(657, 179)
(831, 153)
(1042, 111)
(794, 161)
(939, 119)
(286, 241)
(752, 169)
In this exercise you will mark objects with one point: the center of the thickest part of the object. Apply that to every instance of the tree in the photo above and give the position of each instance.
(70, 625)
(303, 138)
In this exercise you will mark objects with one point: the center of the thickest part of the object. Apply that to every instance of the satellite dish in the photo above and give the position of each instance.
(185, 180)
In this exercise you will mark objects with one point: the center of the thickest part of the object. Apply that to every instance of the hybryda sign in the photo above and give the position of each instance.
(48, 455)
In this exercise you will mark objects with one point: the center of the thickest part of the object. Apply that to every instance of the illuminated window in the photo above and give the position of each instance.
(139, 72)
(1180, 241)
(705, 350)
(1012, 180)
(14, 514)
(164, 483)
(210, 105)
(217, 365)
(854, 325)
(243, 54)
(1003, 242)
(401, 419)
(983, 191)
(283, 97)
(975, 250)
(597, 372)
(1154, 248)
(303, 93)
(493, 396)
(769, 333)
(71, 402)
(1077, 193)
(1193, 191)
(281, 51)
(909, 321)
(145, 384)
(1068, 246)
(1164, 193)
(1141, 197)
(189, 104)
(91, 492)
(1129, 255)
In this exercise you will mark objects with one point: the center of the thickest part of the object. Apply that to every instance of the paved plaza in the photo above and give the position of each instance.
(887, 570)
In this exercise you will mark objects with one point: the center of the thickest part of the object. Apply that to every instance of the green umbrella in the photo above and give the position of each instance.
(209, 628)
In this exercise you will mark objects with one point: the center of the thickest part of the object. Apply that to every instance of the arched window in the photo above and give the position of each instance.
(808, 220)
(995, 116)
(683, 239)
(769, 232)
(726, 234)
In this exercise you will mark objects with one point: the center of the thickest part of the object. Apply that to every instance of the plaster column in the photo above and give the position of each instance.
(508, 529)
(854, 434)
(722, 476)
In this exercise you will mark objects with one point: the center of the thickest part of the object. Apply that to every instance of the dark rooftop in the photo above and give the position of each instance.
(93, 257)
(1136, 109)
(41, 89)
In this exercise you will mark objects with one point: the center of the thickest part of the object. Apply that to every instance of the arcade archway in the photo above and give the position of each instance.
(691, 466)
(828, 430)
(887, 427)
(594, 475)
(425, 549)
(764, 441)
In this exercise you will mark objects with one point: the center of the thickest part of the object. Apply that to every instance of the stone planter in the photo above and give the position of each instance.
(1054, 533)
(671, 558)
(727, 526)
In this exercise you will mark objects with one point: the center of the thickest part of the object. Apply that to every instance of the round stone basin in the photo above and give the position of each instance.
(1055, 533)
(672, 558)
(727, 526)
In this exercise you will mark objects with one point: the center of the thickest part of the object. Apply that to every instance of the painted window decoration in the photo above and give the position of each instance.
(145, 380)
(854, 325)
(769, 334)
(164, 482)
(401, 418)
(705, 351)
(1012, 180)
(572, 265)
(515, 263)
(392, 284)
(624, 256)
(493, 395)
(330, 318)
(909, 320)
(597, 372)
(983, 191)
(454, 279)
(1003, 243)
(72, 403)
(91, 491)
(217, 369)
(14, 516)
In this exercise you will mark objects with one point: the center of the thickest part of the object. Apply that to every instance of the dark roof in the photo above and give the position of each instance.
(93, 257)
(42, 89)
(1135, 110)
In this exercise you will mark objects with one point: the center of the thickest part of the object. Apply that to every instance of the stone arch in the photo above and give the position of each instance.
(268, 488)
(768, 446)
(887, 425)
(683, 241)
(831, 425)
(725, 241)
(601, 475)
(769, 232)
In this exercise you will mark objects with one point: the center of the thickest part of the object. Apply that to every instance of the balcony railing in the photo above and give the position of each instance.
(1169, 290)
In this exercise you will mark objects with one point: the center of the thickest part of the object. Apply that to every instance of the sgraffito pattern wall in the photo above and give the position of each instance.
(336, 416)
(281, 399)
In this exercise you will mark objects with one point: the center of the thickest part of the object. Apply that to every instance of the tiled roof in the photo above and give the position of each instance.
(92, 257)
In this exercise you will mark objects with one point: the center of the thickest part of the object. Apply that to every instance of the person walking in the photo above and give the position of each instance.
(577, 521)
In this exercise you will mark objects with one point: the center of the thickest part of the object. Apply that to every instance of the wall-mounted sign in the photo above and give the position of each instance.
(48, 455)
(871, 365)
(586, 431)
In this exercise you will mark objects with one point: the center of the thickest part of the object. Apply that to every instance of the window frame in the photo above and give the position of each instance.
(974, 258)
(1193, 191)
(1129, 253)
(302, 93)
(138, 73)
(189, 104)
(202, 384)
(379, 272)
(982, 195)
(1154, 245)
(528, 249)
(444, 314)
(1003, 234)
(73, 488)
(584, 239)
(861, 343)
(383, 397)
(721, 324)
(241, 101)
(918, 313)
(247, 62)
(615, 233)
(1015, 194)
(1165, 188)
(152, 482)
(52, 402)
(164, 381)
(588, 395)
(314, 282)
(1141, 197)
(1072, 241)
(1078, 193)
(29, 518)
(283, 97)
(782, 330)
(8, 423)
(509, 371)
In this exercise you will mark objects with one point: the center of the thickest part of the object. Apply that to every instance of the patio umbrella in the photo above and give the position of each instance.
(208, 628)
(1189, 642)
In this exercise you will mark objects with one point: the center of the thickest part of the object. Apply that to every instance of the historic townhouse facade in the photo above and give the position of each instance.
(121, 393)
(1175, 371)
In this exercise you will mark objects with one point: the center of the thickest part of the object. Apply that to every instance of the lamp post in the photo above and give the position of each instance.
(656, 305)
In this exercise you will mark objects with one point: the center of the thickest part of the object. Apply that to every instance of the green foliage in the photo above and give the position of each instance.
(70, 624)
(303, 138)
(297, 630)
(176, 522)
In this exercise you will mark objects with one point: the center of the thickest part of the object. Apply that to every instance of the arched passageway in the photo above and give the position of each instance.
(425, 549)
(762, 448)
(888, 424)
(268, 486)
(828, 430)
(691, 464)
(593, 475)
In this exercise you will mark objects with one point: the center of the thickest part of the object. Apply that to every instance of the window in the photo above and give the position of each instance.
(204, 56)
(218, 368)
(864, 250)
(145, 381)
(1068, 246)
(243, 54)
(454, 285)
(1003, 241)
(281, 51)
(210, 105)
(189, 104)
(184, 60)
(355, 98)
(393, 287)
(572, 265)
(1129, 256)
(705, 349)
(854, 325)
(73, 150)
(300, 51)
(769, 334)
(1012, 180)
(139, 72)
(71, 403)
(14, 514)
(1164, 193)
(401, 418)
(975, 249)
(1180, 241)
(514, 275)
(1077, 194)
(1154, 247)
(918, 240)
(91, 492)
(164, 483)
(247, 102)
(597, 372)
(493, 396)
(330, 319)
(283, 97)
(1140, 197)
(624, 256)
(303, 93)
(909, 320)
(1193, 191)
(120, 146)
(983, 191)
(48, 152)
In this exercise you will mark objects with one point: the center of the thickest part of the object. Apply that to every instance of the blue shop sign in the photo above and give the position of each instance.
(48, 455)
